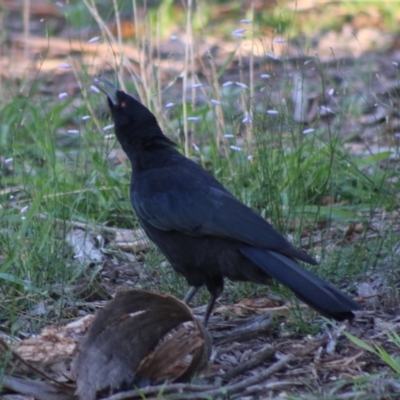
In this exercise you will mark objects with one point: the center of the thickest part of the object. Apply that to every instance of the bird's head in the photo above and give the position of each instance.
(127, 112)
(135, 126)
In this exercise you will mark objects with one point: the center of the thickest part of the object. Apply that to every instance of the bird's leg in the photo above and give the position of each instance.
(215, 287)
(209, 308)
(190, 293)
(189, 296)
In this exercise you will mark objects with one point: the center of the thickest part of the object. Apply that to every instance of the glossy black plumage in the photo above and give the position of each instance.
(202, 229)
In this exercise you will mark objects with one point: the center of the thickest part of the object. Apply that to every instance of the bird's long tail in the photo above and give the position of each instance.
(311, 289)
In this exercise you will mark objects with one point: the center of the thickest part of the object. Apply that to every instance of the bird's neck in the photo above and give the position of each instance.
(148, 152)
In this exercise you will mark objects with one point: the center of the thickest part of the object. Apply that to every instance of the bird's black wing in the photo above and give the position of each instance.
(191, 201)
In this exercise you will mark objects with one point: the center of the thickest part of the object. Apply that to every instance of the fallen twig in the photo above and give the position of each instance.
(206, 391)
(266, 353)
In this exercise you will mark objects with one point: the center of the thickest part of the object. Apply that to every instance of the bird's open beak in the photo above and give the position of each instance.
(108, 88)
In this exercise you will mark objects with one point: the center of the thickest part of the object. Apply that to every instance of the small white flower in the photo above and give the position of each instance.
(235, 148)
(246, 21)
(63, 95)
(324, 110)
(265, 76)
(111, 136)
(94, 39)
(64, 66)
(23, 218)
(229, 83)
(239, 33)
(86, 117)
(331, 92)
(250, 157)
(307, 131)
(195, 147)
(271, 56)
(11, 197)
(169, 105)
(8, 160)
(108, 127)
(395, 64)
(229, 136)
(241, 85)
(247, 118)
(173, 37)
(196, 85)
(215, 102)
(73, 132)
(94, 89)
(24, 209)
(279, 40)
(272, 112)
(193, 119)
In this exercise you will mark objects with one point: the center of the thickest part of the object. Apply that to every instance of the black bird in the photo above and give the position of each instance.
(202, 229)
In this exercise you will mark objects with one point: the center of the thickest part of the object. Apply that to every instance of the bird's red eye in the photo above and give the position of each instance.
(123, 104)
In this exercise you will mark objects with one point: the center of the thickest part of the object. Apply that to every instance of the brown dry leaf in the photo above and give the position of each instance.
(126, 331)
(247, 306)
(232, 309)
(128, 240)
(261, 302)
(354, 228)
